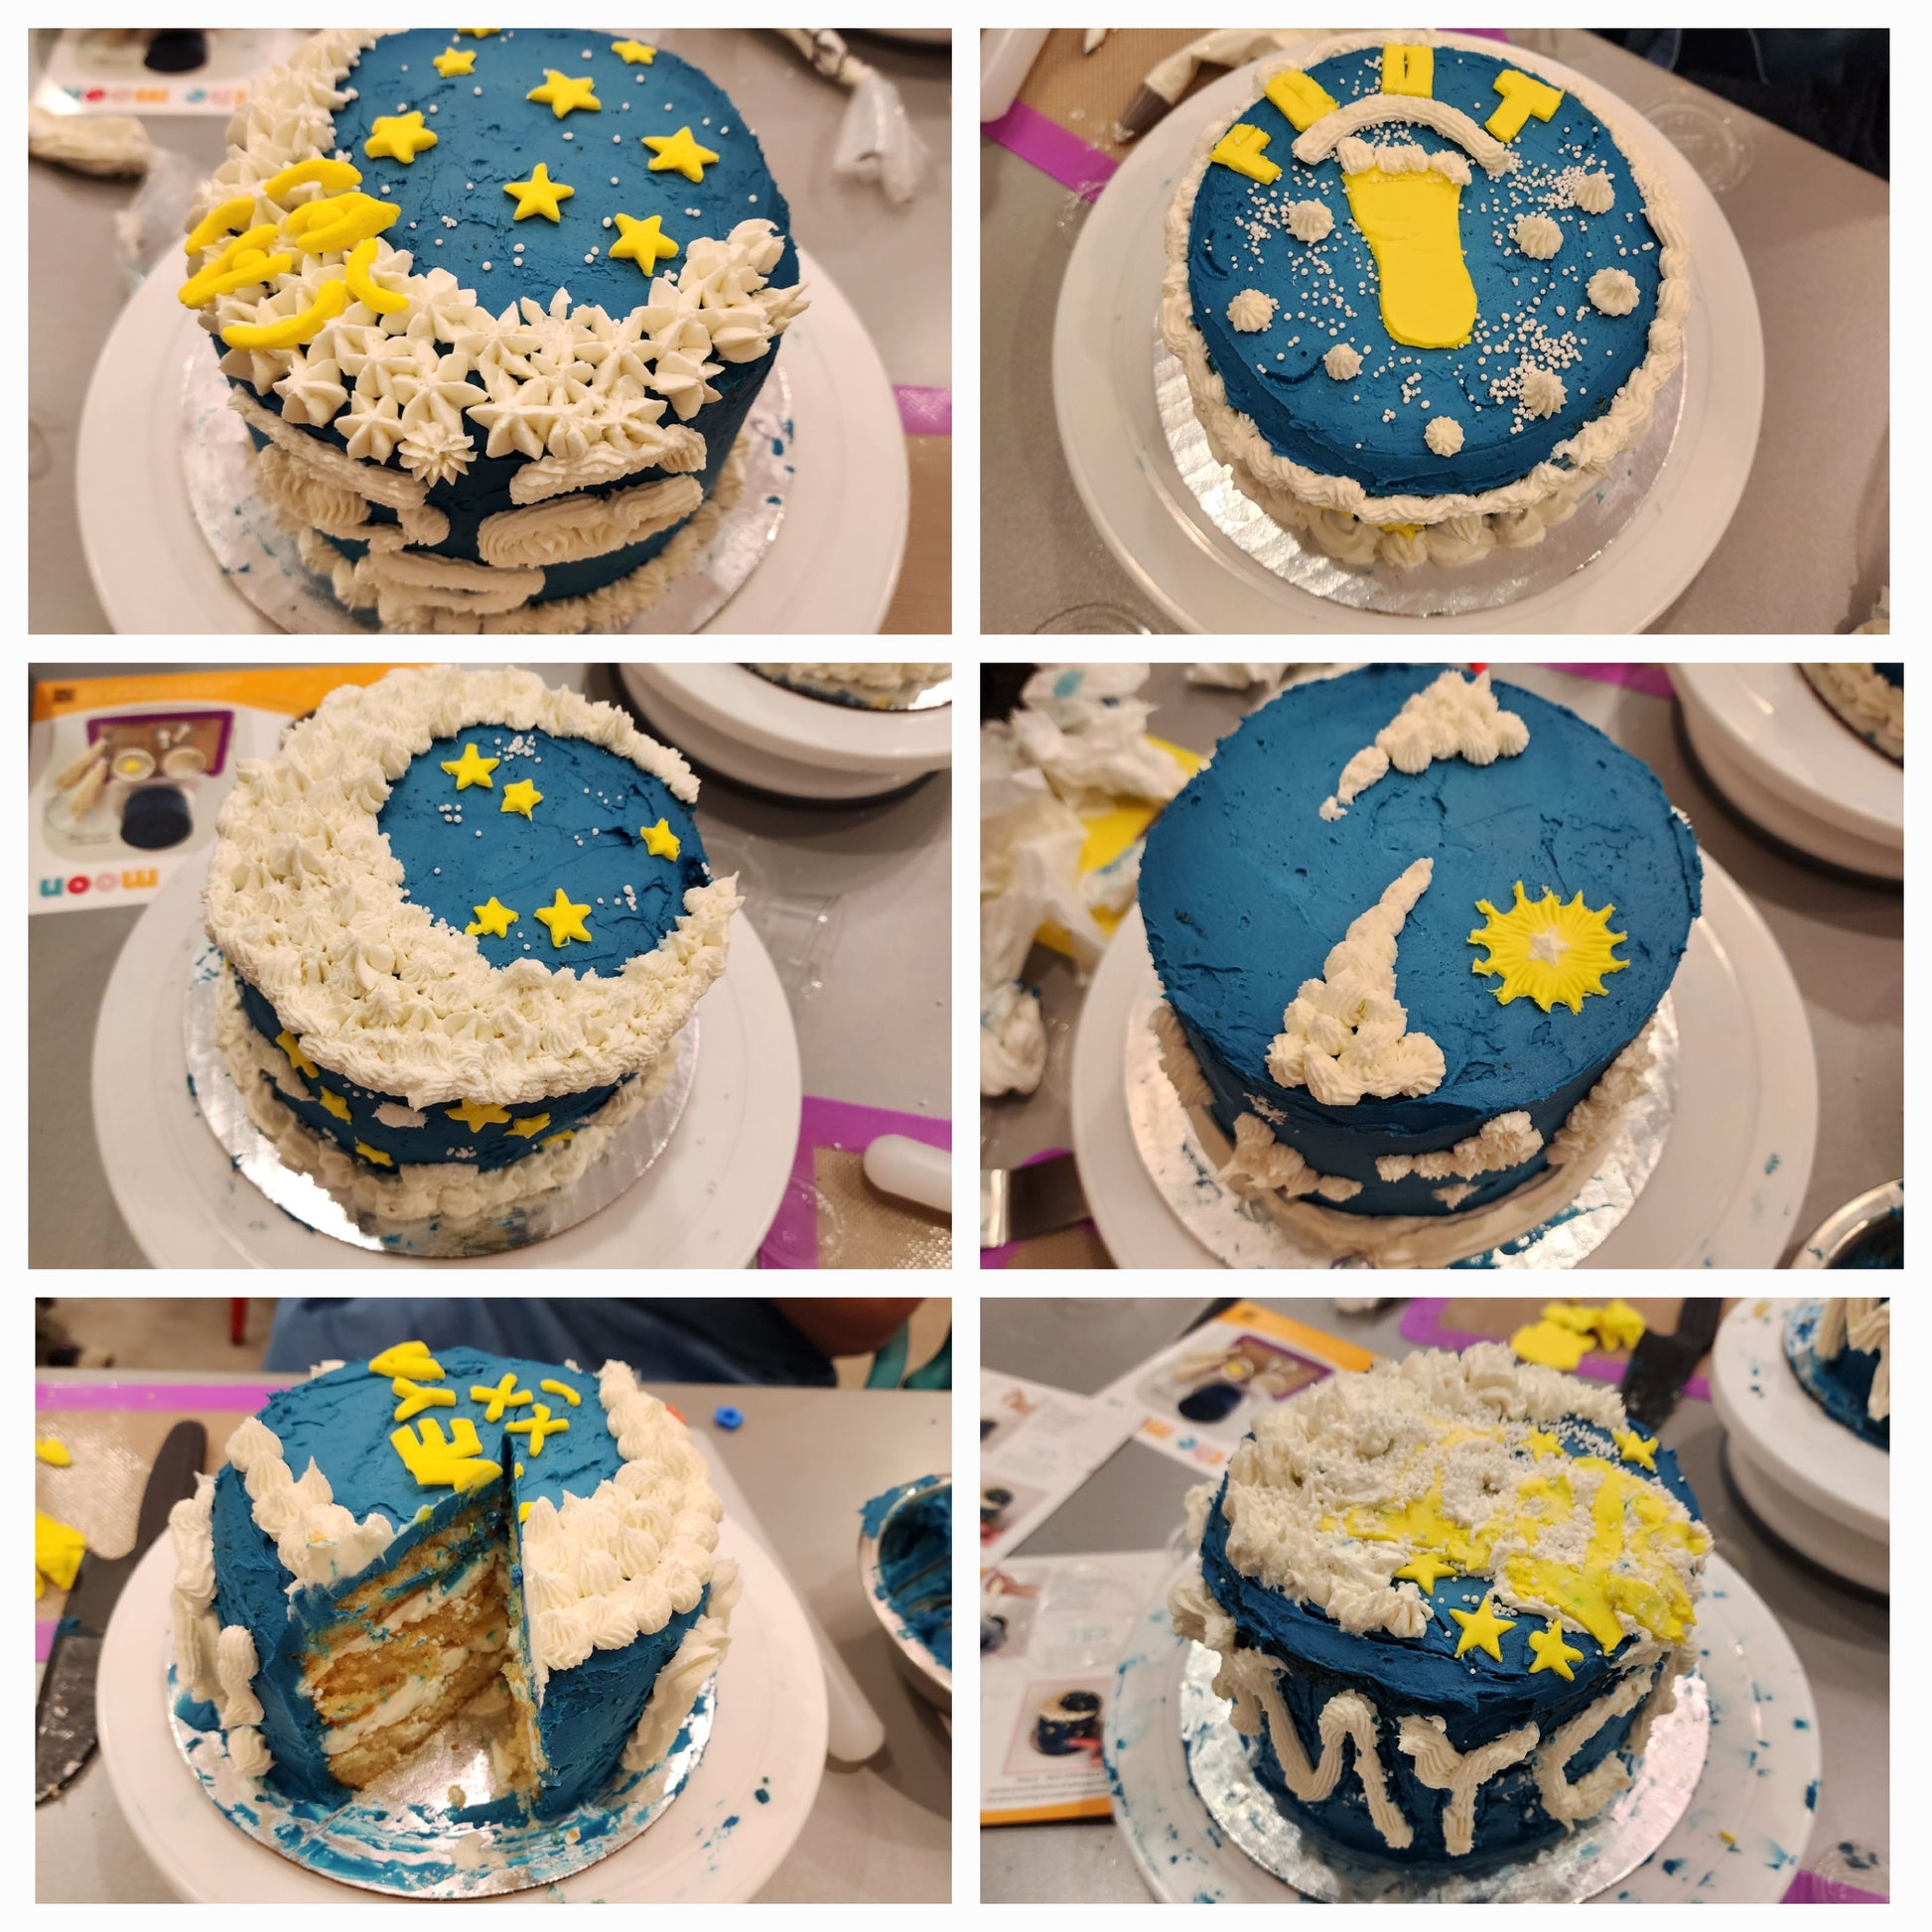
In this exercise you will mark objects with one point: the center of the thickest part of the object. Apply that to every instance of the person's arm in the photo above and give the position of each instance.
(845, 1325)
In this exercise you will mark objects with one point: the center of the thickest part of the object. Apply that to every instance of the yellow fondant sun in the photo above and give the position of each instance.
(1551, 952)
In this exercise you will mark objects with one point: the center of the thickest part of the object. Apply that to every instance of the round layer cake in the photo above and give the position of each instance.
(466, 917)
(1424, 296)
(462, 1522)
(1841, 1351)
(1409, 924)
(1450, 1597)
(1871, 698)
(494, 307)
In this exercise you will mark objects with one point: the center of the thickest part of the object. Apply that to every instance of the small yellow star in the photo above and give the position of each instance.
(1552, 1653)
(560, 93)
(557, 1140)
(335, 1103)
(565, 920)
(298, 1060)
(472, 768)
(645, 242)
(402, 136)
(1425, 1570)
(521, 796)
(1482, 1629)
(529, 1127)
(634, 54)
(480, 33)
(479, 1114)
(660, 840)
(678, 151)
(1635, 1447)
(1543, 1442)
(449, 63)
(370, 1154)
(491, 918)
(539, 194)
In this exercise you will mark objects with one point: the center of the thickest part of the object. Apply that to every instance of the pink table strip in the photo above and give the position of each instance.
(229, 1398)
(1052, 149)
(925, 413)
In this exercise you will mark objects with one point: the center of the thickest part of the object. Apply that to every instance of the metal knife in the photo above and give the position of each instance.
(64, 1729)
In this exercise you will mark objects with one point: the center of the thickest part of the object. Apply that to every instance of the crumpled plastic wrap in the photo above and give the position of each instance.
(876, 142)
(1085, 727)
(1234, 677)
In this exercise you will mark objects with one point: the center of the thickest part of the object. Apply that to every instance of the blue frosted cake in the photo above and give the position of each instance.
(466, 917)
(1841, 1351)
(1450, 1599)
(1412, 928)
(494, 306)
(1871, 698)
(464, 1526)
(912, 1527)
(1424, 296)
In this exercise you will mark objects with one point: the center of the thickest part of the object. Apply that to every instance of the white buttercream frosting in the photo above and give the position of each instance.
(1454, 717)
(1443, 435)
(1442, 1767)
(1593, 193)
(1537, 235)
(1345, 1036)
(1250, 311)
(235, 1665)
(1177, 1060)
(1594, 1118)
(1337, 129)
(1873, 708)
(316, 1539)
(1497, 1145)
(567, 529)
(676, 1687)
(1862, 1322)
(1261, 1166)
(1541, 390)
(1343, 362)
(1614, 290)
(1310, 220)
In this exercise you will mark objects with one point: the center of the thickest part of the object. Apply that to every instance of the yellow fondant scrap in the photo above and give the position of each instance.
(1619, 1326)
(645, 242)
(414, 1399)
(1240, 148)
(679, 151)
(411, 1358)
(539, 194)
(423, 1514)
(522, 796)
(506, 1395)
(1543, 1442)
(401, 137)
(337, 225)
(1425, 1570)
(660, 840)
(472, 768)
(1552, 1653)
(558, 1139)
(332, 177)
(243, 261)
(522, 1509)
(1522, 97)
(1635, 1447)
(565, 920)
(1302, 99)
(634, 54)
(298, 1060)
(334, 1102)
(374, 1156)
(563, 1389)
(1571, 1315)
(529, 1129)
(479, 1114)
(538, 1424)
(492, 918)
(436, 1461)
(58, 1549)
(1411, 224)
(518, 1467)
(230, 217)
(452, 62)
(562, 95)
(362, 285)
(480, 33)
(1482, 1629)
(1556, 954)
(1546, 1344)
(1408, 70)
(51, 1449)
(292, 331)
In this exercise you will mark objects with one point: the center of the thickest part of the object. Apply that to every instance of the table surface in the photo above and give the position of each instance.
(869, 887)
(1810, 546)
(1843, 937)
(895, 265)
(805, 1460)
(1135, 1500)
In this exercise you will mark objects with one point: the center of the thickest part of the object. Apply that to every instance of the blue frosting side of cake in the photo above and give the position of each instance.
(1841, 1386)
(1245, 888)
(1327, 293)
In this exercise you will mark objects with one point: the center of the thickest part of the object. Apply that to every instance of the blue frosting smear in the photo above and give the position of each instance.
(1245, 888)
(912, 1525)
(459, 849)
(1841, 1387)
(1371, 427)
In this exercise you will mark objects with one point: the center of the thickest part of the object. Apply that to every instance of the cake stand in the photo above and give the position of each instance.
(1110, 427)
(757, 732)
(1746, 1104)
(704, 1202)
(1790, 764)
(1740, 1842)
(832, 565)
(1815, 1484)
(715, 1843)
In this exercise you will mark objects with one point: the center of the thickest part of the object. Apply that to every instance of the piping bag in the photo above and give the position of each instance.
(875, 141)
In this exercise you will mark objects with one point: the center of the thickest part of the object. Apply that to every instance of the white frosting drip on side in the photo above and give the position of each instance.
(1251, 312)
(571, 528)
(250, 1753)
(1505, 1142)
(191, 1599)
(1441, 1766)
(1177, 1060)
(318, 1541)
(235, 1665)
(1537, 235)
(676, 1689)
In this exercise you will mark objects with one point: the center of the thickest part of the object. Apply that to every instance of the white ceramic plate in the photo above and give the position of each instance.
(832, 565)
(704, 1202)
(716, 1844)
(1725, 1193)
(1103, 398)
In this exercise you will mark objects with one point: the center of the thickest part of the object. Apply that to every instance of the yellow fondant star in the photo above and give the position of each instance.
(480, 33)
(374, 1156)
(1543, 1442)
(1552, 1653)
(558, 1139)
(414, 1399)
(521, 796)
(335, 1103)
(539, 194)
(561, 93)
(298, 1060)
(537, 1424)
(491, 918)
(400, 136)
(679, 151)
(479, 1114)
(472, 768)
(1482, 1629)
(411, 1358)
(1425, 1570)
(634, 54)
(506, 1395)
(449, 63)
(645, 242)
(565, 920)
(1636, 1447)
(530, 1127)
(660, 840)
(563, 1389)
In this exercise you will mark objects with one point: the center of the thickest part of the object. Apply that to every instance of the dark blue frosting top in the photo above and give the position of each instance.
(1329, 291)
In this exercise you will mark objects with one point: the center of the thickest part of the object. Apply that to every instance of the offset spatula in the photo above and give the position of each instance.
(1660, 1366)
(64, 1728)
(1017, 1204)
